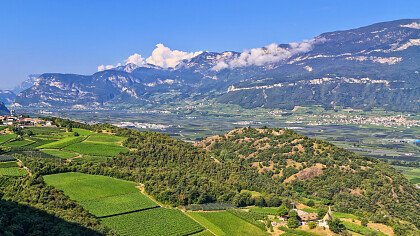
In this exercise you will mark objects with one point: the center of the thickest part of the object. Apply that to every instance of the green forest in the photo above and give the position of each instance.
(263, 167)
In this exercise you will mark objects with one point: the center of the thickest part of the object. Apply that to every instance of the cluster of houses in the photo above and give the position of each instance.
(24, 121)
(306, 217)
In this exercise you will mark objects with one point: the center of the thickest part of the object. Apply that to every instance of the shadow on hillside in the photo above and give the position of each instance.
(17, 219)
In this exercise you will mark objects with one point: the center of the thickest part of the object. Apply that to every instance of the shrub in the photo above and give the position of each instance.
(310, 203)
(336, 226)
(312, 225)
(293, 222)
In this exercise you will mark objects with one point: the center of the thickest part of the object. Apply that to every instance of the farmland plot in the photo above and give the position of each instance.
(6, 137)
(60, 153)
(153, 222)
(226, 223)
(97, 149)
(18, 143)
(62, 143)
(101, 195)
(105, 138)
(11, 169)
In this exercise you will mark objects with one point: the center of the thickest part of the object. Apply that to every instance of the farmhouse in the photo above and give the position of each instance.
(305, 216)
(328, 217)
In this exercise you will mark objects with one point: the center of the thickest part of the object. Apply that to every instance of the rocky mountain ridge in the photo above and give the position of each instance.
(367, 67)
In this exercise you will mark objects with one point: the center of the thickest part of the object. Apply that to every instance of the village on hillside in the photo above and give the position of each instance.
(23, 121)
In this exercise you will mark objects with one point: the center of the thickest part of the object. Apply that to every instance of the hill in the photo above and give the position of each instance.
(3, 110)
(265, 167)
(364, 68)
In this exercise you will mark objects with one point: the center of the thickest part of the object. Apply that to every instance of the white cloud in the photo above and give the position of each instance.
(413, 25)
(135, 59)
(105, 67)
(266, 55)
(161, 56)
(166, 58)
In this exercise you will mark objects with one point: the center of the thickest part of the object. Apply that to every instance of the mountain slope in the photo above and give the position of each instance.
(3, 110)
(279, 164)
(372, 66)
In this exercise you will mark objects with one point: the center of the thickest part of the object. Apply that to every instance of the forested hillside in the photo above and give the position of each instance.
(280, 165)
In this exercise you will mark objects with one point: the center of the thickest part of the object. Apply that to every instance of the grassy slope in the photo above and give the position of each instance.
(96, 149)
(154, 222)
(101, 195)
(60, 153)
(225, 223)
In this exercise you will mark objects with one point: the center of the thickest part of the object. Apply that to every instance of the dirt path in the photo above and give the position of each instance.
(21, 165)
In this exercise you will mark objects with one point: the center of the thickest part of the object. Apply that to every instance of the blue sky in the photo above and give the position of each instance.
(77, 36)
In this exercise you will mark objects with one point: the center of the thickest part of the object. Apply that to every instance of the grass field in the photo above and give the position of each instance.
(60, 153)
(45, 130)
(121, 206)
(203, 233)
(153, 222)
(82, 132)
(225, 223)
(6, 137)
(97, 149)
(264, 210)
(11, 169)
(411, 173)
(18, 143)
(344, 215)
(8, 164)
(105, 138)
(101, 195)
(361, 229)
(62, 143)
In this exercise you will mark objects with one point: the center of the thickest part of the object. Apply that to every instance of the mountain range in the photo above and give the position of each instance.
(375, 66)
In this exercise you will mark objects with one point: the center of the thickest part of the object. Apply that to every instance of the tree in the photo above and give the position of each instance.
(336, 226)
(310, 203)
(243, 199)
(321, 213)
(292, 213)
(282, 210)
(29, 132)
(293, 222)
(69, 128)
(259, 201)
(312, 225)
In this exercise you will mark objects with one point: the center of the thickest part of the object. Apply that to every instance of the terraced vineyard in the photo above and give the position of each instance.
(101, 195)
(96, 149)
(121, 206)
(11, 169)
(226, 223)
(159, 221)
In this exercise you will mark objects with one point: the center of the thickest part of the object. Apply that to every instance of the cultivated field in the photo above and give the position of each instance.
(96, 149)
(101, 195)
(154, 222)
(11, 169)
(226, 223)
(121, 206)
(60, 153)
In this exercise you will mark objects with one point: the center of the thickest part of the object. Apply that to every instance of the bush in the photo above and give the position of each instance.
(312, 225)
(336, 226)
(310, 203)
(282, 210)
(293, 222)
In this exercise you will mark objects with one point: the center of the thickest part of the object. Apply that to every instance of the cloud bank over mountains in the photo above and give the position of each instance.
(269, 54)
(165, 57)
(162, 56)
